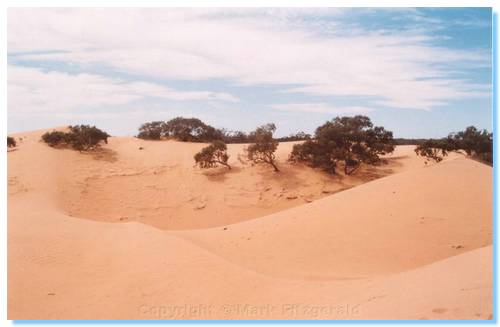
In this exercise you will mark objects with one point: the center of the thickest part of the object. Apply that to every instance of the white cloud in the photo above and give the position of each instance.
(250, 47)
(321, 108)
(31, 90)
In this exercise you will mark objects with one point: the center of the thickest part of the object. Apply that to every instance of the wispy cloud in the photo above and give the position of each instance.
(31, 90)
(250, 47)
(321, 108)
(245, 66)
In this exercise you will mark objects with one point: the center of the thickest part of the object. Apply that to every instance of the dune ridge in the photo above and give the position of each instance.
(419, 236)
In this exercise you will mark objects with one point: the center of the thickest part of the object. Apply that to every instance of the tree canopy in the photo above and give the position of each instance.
(192, 130)
(264, 146)
(79, 137)
(351, 140)
(11, 142)
(475, 143)
(154, 130)
(213, 155)
(180, 128)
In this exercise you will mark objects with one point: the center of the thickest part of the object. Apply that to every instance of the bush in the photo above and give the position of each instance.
(477, 144)
(402, 141)
(192, 130)
(85, 137)
(351, 140)
(234, 136)
(264, 146)
(153, 131)
(182, 129)
(80, 137)
(55, 138)
(433, 149)
(11, 142)
(300, 136)
(213, 155)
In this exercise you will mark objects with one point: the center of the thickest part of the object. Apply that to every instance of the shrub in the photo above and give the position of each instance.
(477, 144)
(474, 142)
(192, 130)
(212, 155)
(79, 137)
(180, 128)
(55, 138)
(85, 137)
(11, 142)
(433, 149)
(264, 146)
(403, 141)
(234, 136)
(153, 131)
(300, 136)
(351, 140)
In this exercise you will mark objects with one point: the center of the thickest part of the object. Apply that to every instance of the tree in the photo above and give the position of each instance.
(234, 136)
(192, 130)
(55, 138)
(351, 140)
(85, 137)
(153, 131)
(180, 128)
(79, 137)
(213, 155)
(476, 144)
(11, 142)
(433, 149)
(264, 146)
(300, 136)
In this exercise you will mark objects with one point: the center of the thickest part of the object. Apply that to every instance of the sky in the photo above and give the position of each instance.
(419, 72)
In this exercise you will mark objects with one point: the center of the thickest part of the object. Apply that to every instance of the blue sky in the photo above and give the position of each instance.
(419, 72)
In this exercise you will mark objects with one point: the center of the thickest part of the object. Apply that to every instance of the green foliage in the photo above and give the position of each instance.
(351, 140)
(403, 141)
(180, 128)
(300, 136)
(55, 138)
(477, 144)
(11, 142)
(433, 149)
(212, 155)
(264, 146)
(192, 130)
(234, 136)
(85, 137)
(474, 142)
(79, 137)
(153, 131)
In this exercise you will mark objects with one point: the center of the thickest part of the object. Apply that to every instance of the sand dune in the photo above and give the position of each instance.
(395, 223)
(142, 234)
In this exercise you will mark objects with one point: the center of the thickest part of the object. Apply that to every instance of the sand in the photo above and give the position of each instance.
(136, 232)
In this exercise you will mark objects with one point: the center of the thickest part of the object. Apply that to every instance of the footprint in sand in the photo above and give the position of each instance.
(200, 206)
(439, 310)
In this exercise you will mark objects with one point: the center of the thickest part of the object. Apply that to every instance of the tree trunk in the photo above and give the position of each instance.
(347, 172)
(334, 166)
(223, 163)
(274, 166)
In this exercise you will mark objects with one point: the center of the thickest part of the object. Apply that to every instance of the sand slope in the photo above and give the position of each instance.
(395, 223)
(159, 186)
(420, 236)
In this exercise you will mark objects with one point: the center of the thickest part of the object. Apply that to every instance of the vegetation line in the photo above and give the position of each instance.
(347, 142)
